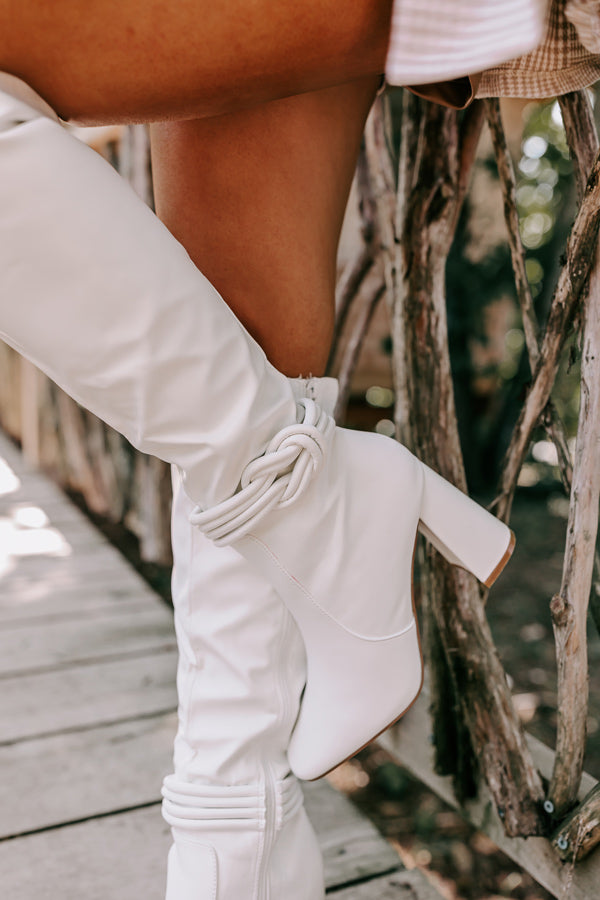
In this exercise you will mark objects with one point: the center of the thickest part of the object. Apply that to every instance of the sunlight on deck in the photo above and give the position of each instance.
(9, 483)
(25, 529)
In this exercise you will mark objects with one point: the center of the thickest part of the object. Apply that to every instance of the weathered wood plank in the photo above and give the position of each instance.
(83, 696)
(409, 743)
(76, 606)
(122, 857)
(61, 560)
(58, 510)
(109, 634)
(69, 777)
(21, 490)
(32, 576)
(351, 845)
(94, 772)
(30, 597)
(29, 485)
(401, 885)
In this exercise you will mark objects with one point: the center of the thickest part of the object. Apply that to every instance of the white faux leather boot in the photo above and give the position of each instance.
(97, 293)
(233, 805)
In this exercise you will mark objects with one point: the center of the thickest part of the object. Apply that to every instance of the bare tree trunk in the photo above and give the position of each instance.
(569, 607)
(434, 170)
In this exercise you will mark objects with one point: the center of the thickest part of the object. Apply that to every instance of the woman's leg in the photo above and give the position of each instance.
(257, 199)
(134, 60)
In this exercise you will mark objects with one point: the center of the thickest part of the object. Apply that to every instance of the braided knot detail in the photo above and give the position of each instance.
(274, 480)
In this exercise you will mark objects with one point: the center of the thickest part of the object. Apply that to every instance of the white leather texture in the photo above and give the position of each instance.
(98, 294)
(356, 619)
(241, 673)
(192, 870)
(462, 530)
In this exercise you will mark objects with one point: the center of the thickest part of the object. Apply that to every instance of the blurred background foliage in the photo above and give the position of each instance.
(490, 366)
(490, 362)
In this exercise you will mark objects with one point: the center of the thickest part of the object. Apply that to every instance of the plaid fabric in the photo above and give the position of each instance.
(551, 50)
(438, 40)
(560, 64)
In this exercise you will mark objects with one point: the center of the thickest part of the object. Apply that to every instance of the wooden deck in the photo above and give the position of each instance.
(87, 719)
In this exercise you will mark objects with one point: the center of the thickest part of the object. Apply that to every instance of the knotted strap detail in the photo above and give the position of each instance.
(274, 480)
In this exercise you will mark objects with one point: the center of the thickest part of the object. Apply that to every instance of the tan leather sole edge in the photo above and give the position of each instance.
(496, 572)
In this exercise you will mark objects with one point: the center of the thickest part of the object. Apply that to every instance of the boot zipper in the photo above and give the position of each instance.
(270, 831)
(282, 683)
(273, 810)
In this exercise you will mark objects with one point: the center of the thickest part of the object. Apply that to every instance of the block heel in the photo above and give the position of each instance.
(465, 533)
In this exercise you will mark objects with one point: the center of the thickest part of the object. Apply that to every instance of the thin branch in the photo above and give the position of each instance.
(469, 136)
(390, 210)
(569, 608)
(508, 183)
(366, 301)
(581, 250)
(358, 268)
(579, 834)
(582, 137)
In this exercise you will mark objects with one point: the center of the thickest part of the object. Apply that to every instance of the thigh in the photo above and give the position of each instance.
(148, 60)
(257, 198)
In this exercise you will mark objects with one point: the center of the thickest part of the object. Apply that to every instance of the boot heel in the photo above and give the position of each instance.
(465, 533)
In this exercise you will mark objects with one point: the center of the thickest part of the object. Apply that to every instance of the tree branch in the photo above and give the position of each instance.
(581, 250)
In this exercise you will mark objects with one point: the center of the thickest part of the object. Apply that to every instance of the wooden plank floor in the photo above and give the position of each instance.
(87, 719)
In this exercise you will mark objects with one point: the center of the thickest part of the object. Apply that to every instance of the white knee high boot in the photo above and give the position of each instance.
(100, 296)
(232, 799)
(232, 803)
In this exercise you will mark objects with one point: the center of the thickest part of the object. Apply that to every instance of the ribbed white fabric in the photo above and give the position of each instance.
(436, 40)
(202, 807)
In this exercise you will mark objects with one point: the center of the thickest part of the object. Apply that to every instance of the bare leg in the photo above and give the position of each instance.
(144, 60)
(257, 198)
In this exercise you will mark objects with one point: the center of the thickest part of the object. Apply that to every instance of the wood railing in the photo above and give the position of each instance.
(411, 204)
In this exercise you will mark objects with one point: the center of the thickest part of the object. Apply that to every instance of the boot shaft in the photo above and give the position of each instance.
(98, 294)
